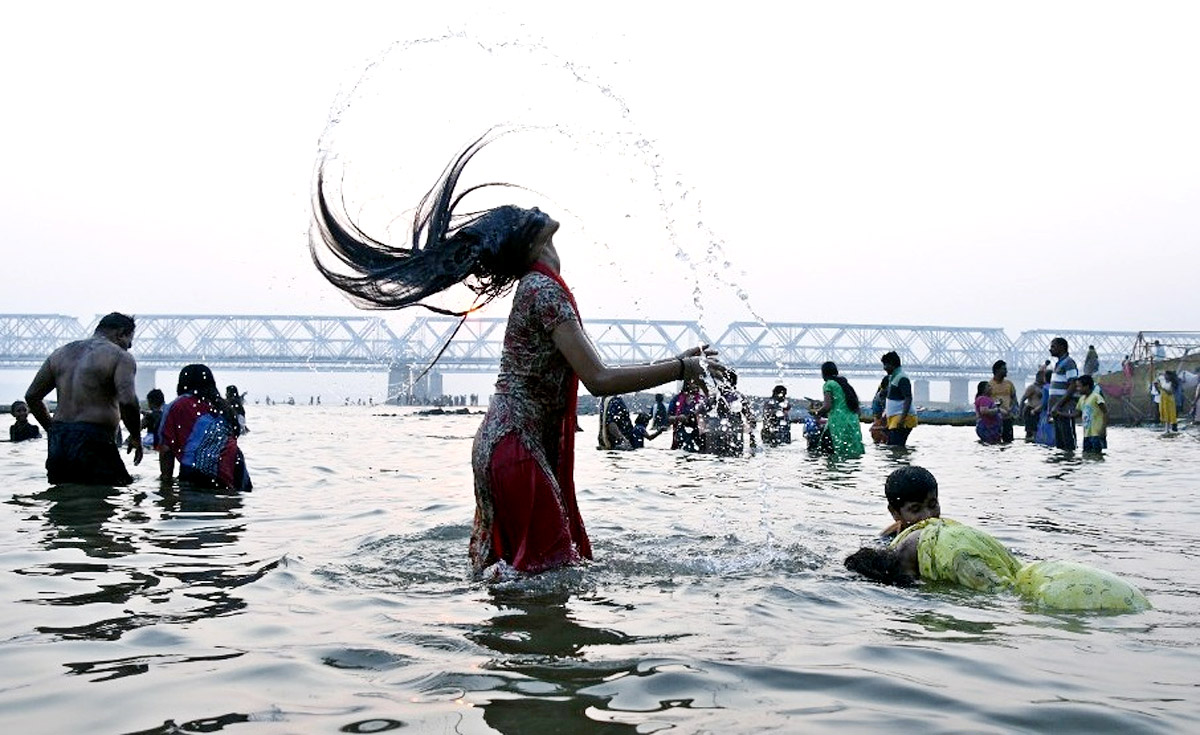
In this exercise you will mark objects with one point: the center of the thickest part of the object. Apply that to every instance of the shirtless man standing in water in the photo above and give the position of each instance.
(1031, 404)
(94, 380)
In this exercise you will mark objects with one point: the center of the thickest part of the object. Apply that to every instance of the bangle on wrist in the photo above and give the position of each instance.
(681, 367)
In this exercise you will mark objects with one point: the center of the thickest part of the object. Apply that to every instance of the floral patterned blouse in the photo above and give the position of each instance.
(530, 398)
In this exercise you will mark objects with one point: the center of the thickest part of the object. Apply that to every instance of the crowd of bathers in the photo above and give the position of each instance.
(1061, 402)
(726, 422)
(199, 431)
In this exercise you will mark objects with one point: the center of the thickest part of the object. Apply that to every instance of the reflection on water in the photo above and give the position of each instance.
(75, 516)
(112, 524)
(207, 724)
(536, 638)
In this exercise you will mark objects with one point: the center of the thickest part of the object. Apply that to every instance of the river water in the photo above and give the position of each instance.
(335, 597)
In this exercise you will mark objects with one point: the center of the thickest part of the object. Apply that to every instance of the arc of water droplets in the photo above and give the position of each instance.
(715, 254)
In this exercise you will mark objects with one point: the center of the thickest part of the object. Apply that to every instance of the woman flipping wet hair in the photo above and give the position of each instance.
(523, 457)
(487, 251)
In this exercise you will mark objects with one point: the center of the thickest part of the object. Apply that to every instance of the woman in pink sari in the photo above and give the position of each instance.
(526, 515)
(987, 415)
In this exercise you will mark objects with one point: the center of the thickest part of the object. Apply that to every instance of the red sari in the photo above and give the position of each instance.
(524, 453)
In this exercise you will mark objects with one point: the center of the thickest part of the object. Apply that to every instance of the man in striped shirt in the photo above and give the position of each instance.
(1062, 394)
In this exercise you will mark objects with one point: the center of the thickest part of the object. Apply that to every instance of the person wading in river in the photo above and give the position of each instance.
(94, 379)
(523, 457)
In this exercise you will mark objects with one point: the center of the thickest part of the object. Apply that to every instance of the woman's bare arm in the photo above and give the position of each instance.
(826, 405)
(603, 380)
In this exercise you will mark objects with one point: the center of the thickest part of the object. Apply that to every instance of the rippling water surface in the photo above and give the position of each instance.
(335, 597)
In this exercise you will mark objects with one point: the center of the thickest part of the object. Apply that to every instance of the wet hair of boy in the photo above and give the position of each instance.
(910, 484)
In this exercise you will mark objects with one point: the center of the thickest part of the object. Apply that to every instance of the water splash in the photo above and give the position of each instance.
(679, 208)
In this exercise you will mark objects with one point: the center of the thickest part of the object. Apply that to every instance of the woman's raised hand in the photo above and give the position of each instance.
(700, 359)
(705, 350)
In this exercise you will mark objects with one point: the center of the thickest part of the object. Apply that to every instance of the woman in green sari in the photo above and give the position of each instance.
(842, 435)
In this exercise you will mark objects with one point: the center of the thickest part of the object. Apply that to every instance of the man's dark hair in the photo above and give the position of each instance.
(1086, 381)
(910, 484)
(891, 359)
(881, 565)
(997, 365)
(1062, 341)
(155, 396)
(116, 322)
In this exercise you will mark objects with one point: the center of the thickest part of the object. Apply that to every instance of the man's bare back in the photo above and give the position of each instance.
(94, 379)
(85, 374)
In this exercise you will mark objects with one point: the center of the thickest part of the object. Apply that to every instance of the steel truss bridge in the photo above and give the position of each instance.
(330, 343)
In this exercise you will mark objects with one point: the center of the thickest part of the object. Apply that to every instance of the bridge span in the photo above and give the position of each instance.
(361, 343)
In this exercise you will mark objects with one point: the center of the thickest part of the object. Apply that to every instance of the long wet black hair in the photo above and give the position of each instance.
(881, 565)
(829, 371)
(487, 251)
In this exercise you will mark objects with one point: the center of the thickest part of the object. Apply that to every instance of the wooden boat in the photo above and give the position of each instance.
(940, 417)
(1127, 391)
(934, 417)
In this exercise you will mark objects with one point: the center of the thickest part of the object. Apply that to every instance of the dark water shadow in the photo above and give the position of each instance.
(77, 517)
(112, 525)
(219, 511)
(206, 724)
(900, 455)
(535, 637)
(832, 471)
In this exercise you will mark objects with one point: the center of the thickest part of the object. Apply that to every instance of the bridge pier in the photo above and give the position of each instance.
(145, 380)
(402, 390)
(920, 392)
(960, 392)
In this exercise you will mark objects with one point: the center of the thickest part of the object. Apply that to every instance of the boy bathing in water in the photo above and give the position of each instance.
(912, 496)
(1094, 410)
(929, 548)
(21, 430)
(152, 419)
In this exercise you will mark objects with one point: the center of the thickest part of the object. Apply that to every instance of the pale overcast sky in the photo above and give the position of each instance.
(1016, 165)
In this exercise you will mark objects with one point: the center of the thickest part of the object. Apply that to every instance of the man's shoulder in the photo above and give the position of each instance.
(107, 357)
(71, 350)
(89, 346)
